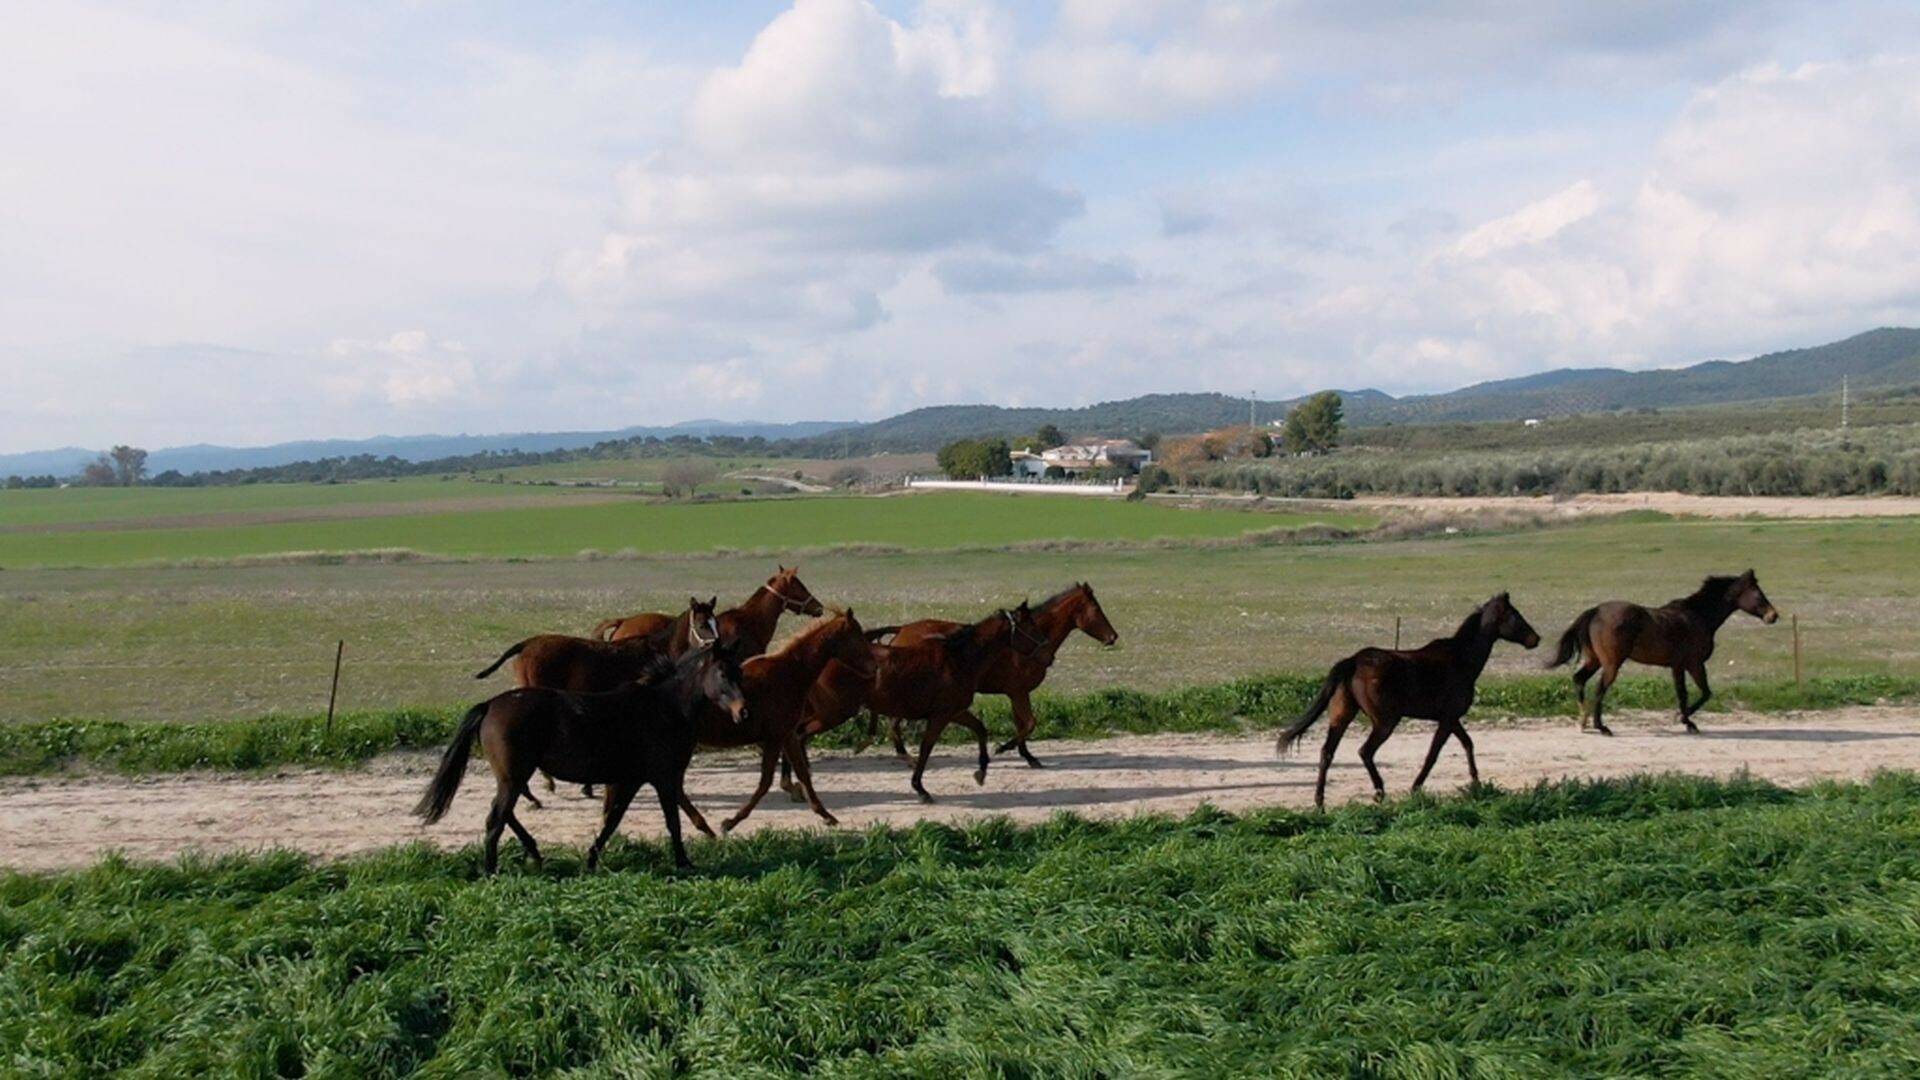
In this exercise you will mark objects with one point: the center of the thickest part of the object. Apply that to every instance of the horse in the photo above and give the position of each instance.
(1433, 682)
(1678, 635)
(933, 679)
(640, 733)
(777, 686)
(1014, 674)
(752, 623)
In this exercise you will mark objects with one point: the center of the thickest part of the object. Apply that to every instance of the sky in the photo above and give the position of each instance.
(243, 223)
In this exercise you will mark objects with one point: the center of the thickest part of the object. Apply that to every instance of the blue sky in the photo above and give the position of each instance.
(245, 223)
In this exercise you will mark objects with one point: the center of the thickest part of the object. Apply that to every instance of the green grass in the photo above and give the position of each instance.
(85, 505)
(179, 644)
(1646, 926)
(944, 520)
(1253, 704)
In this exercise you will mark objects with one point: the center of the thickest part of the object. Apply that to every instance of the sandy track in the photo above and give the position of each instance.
(1671, 502)
(55, 823)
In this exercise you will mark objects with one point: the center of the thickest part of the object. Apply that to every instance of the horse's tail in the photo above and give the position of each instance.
(513, 650)
(1336, 678)
(1573, 639)
(603, 630)
(453, 767)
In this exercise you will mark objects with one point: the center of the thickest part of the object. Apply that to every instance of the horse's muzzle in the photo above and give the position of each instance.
(1533, 641)
(1770, 617)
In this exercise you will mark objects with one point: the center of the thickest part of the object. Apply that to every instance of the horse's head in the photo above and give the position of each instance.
(1507, 622)
(1023, 633)
(703, 627)
(1091, 618)
(793, 594)
(1748, 598)
(716, 679)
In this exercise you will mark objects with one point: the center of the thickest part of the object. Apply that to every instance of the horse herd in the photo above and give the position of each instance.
(626, 706)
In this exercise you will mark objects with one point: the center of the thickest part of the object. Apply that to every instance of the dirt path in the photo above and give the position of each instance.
(1671, 502)
(54, 823)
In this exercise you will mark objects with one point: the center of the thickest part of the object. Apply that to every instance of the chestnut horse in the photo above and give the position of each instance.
(1015, 674)
(1678, 635)
(752, 623)
(1433, 682)
(933, 680)
(640, 733)
(563, 662)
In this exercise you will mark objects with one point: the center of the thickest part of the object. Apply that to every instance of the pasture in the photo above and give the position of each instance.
(239, 642)
(1648, 925)
(554, 523)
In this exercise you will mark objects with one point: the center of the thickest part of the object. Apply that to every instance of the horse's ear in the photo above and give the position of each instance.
(713, 601)
(693, 602)
(1749, 575)
(848, 613)
(1505, 598)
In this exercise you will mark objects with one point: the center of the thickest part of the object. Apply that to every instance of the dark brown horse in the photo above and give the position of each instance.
(1017, 674)
(1433, 682)
(1677, 635)
(640, 733)
(933, 679)
(752, 623)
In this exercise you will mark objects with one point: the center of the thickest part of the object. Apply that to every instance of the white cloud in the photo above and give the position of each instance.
(1531, 223)
(407, 370)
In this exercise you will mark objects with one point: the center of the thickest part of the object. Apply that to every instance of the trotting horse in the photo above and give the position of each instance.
(1016, 674)
(641, 733)
(1433, 682)
(751, 624)
(933, 679)
(1678, 635)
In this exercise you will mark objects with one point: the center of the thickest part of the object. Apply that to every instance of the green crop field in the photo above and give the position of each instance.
(52, 509)
(1664, 926)
(943, 520)
(237, 642)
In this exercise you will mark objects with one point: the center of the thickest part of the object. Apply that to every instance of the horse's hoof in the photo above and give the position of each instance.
(727, 825)
(980, 777)
(832, 822)
(926, 798)
(794, 794)
(1607, 731)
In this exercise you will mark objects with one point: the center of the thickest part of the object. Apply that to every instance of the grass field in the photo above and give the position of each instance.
(239, 642)
(552, 529)
(85, 506)
(1653, 926)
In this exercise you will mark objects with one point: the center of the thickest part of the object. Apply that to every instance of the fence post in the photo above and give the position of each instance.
(1798, 682)
(1396, 631)
(339, 648)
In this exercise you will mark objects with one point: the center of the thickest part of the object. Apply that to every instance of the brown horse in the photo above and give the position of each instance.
(640, 733)
(1433, 682)
(776, 686)
(563, 662)
(752, 623)
(933, 679)
(1678, 635)
(1016, 674)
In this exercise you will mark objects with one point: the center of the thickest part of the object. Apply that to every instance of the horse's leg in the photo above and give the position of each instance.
(613, 808)
(769, 757)
(1381, 731)
(1680, 694)
(972, 723)
(693, 812)
(1699, 672)
(1466, 743)
(899, 743)
(1607, 675)
(928, 739)
(527, 794)
(672, 797)
(1440, 736)
(1339, 715)
(1587, 667)
(505, 789)
(1023, 722)
(786, 772)
(797, 755)
(586, 791)
(520, 832)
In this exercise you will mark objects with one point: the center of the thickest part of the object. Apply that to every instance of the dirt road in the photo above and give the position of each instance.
(1670, 502)
(55, 823)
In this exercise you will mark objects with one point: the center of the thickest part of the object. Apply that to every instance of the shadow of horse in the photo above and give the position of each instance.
(1814, 735)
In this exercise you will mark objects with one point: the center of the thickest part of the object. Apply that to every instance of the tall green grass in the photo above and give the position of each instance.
(1241, 705)
(1645, 926)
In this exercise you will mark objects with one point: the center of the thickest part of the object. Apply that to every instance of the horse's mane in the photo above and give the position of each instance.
(1714, 590)
(658, 668)
(813, 630)
(1058, 598)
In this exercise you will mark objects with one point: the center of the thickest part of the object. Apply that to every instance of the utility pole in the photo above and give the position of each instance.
(1844, 403)
(1253, 403)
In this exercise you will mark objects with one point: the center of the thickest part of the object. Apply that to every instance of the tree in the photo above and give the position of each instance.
(681, 479)
(129, 465)
(100, 473)
(967, 459)
(1313, 427)
(1050, 436)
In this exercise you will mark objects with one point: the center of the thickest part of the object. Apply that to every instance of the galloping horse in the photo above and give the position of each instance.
(1678, 635)
(563, 662)
(1017, 674)
(933, 679)
(1433, 682)
(751, 624)
(640, 733)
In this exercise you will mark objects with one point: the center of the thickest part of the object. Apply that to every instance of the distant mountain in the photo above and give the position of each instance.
(204, 458)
